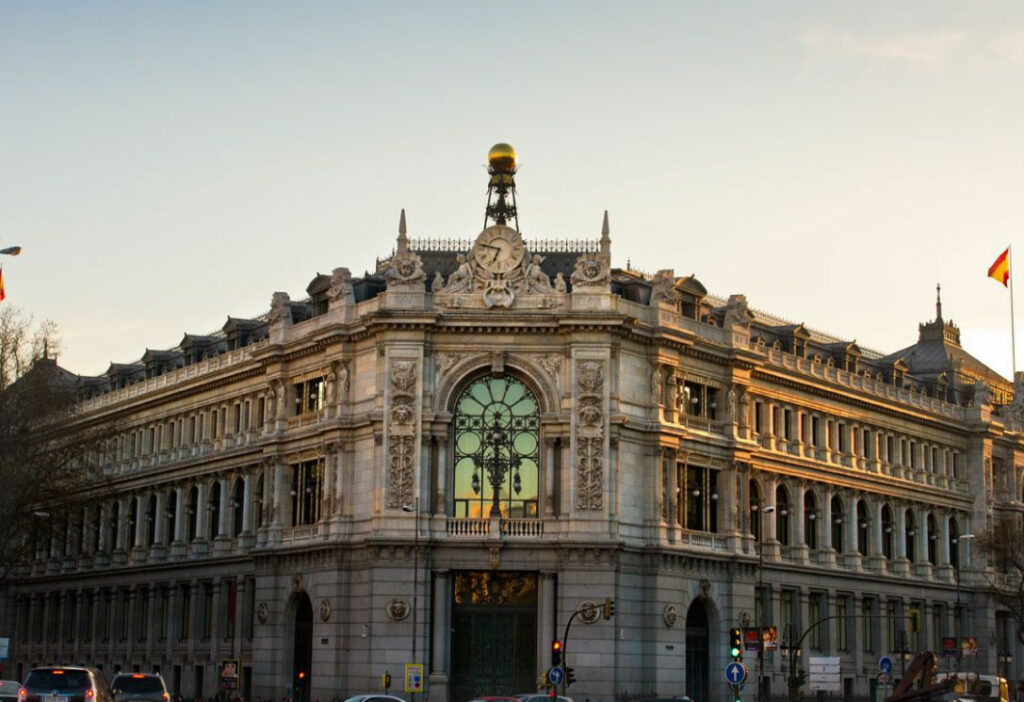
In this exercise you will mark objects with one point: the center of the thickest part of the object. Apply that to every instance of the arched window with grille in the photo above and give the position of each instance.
(753, 508)
(863, 526)
(933, 534)
(910, 534)
(497, 449)
(887, 532)
(811, 519)
(837, 524)
(782, 515)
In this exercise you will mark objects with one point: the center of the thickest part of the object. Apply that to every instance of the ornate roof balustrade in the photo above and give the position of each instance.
(856, 381)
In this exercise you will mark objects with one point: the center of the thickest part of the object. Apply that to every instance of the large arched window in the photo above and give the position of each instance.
(497, 449)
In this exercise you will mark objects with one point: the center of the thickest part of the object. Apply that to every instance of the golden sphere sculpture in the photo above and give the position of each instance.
(502, 158)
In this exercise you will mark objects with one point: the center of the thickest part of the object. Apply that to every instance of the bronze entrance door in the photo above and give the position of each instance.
(494, 637)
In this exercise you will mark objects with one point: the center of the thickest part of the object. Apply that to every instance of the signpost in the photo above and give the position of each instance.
(414, 677)
(825, 674)
(735, 673)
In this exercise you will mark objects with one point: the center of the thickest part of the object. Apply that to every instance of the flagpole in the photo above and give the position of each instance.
(1013, 334)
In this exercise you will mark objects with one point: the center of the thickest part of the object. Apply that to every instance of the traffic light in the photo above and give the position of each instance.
(735, 643)
(570, 676)
(385, 681)
(609, 607)
(736, 694)
(556, 652)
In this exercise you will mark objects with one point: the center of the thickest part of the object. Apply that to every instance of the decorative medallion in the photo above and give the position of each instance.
(325, 610)
(589, 611)
(262, 612)
(398, 609)
(297, 582)
(670, 615)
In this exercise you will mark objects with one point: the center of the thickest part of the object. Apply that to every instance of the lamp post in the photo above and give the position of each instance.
(760, 589)
(498, 458)
(956, 614)
(415, 508)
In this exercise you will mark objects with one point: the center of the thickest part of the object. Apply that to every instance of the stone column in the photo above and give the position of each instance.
(852, 555)
(800, 548)
(158, 519)
(826, 519)
(439, 673)
(225, 504)
(901, 566)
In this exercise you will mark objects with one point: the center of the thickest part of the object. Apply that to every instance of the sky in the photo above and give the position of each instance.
(165, 165)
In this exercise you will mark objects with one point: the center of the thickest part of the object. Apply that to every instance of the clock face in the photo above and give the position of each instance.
(498, 249)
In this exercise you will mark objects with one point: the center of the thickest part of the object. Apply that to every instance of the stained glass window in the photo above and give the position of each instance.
(497, 449)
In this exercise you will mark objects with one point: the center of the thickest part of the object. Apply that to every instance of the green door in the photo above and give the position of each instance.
(494, 638)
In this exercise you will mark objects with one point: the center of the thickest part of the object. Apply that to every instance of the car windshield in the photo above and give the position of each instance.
(146, 683)
(57, 679)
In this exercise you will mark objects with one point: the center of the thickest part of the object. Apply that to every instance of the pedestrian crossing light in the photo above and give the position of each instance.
(735, 643)
(609, 607)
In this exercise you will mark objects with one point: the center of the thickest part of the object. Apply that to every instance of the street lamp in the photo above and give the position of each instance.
(761, 511)
(415, 508)
(498, 458)
(956, 616)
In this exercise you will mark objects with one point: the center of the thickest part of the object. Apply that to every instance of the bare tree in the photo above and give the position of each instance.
(1003, 543)
(46, 456)
(23, 342)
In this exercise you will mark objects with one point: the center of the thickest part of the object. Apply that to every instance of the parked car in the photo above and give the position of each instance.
(65, 684)
(139, 687)
(495, 699)
(374, 698)
(541, 697)
(9, 690)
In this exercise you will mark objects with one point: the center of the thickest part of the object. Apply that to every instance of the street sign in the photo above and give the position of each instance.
(414, 677)
(824, 674)
(735, 673)
(884, 678)
(556, 675)
(885, 665)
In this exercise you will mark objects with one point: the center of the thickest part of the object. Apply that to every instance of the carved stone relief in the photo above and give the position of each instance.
(401, 433)
(341, 291)
(590, 419)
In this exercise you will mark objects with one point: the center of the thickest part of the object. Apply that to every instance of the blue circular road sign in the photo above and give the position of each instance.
(735, 673)
(885, 665)
(556, 675)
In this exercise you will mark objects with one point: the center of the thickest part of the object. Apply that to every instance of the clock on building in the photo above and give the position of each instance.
(498, 249)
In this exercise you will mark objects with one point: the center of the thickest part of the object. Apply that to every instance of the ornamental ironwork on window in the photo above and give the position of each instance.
(497, 449)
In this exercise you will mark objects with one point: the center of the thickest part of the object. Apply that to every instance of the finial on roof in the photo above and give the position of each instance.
(46, 348)
(403, 240)
(606, 240)
(938, 302)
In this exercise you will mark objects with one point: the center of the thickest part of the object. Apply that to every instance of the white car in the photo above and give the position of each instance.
(374, 698)
(9, 690)
(540, 697)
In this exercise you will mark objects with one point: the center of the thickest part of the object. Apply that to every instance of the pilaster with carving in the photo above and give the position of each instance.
(591, 419)
(402, 431)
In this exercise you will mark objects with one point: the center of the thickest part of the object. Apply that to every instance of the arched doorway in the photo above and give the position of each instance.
(697, 652)
(302, 652)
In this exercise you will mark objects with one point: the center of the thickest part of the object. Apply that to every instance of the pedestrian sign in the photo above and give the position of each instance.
(735, 673)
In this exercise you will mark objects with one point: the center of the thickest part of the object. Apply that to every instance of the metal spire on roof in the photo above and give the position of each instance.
(938, 302)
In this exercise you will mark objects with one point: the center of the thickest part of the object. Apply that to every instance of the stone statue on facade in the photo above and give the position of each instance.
(663, 286)
(341, 291)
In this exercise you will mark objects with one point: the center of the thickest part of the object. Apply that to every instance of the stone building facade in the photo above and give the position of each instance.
(440, 462)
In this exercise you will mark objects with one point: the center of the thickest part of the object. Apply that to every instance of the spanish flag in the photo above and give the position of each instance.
(1000, 270)
(2, 293)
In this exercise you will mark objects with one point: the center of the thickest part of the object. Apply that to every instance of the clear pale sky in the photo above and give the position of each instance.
(165, 165)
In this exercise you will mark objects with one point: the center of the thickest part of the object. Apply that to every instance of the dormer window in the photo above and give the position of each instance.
(688, 306)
